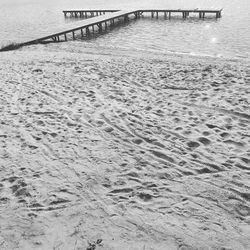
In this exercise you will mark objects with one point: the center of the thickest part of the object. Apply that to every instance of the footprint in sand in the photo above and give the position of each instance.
(137, 141)
(193, 144)
(108, 129)
(204, 141)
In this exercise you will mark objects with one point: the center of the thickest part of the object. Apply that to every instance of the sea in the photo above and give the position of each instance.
(227, 37)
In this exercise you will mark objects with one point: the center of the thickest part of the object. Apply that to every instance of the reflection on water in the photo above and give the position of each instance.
(229, 36)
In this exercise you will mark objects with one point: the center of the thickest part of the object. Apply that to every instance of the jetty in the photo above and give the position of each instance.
(84, 28)
(86, 13)
(185, 12)
(100, 20)
(154, 12)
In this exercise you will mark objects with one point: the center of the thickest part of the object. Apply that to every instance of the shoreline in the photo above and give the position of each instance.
(127, 150)
(80, 47)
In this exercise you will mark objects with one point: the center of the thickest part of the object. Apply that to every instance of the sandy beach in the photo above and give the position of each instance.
(108, 149)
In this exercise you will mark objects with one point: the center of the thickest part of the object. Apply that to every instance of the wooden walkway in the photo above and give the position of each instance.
(154, 12)
(83, 28)
(101, 21)
(86, 13)
(185, 12)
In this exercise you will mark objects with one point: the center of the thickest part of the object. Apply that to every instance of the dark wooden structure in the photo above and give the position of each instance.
(84, 28)
(86, 13)
(103, 19)
(154, 12)
(185, 12)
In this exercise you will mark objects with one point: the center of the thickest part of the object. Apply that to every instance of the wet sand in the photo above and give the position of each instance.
(128, 150)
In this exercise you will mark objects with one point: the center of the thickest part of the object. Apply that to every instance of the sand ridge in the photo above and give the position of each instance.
(109, 151)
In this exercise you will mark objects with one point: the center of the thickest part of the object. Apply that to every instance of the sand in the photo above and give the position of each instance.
(101, 149)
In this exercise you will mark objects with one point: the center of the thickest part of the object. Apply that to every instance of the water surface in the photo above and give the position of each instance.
(225, 37)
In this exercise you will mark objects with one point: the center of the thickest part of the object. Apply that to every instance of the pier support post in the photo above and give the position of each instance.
(81, 33)
(65, 37)
(73, 34)
(100, 27)
(157, 14)
(87, 31)
(165, 14)
(218, 14)
(152, 14)
(185, 14)
(169, 15)
(126, 19)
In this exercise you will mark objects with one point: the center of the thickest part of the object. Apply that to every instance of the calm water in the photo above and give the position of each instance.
(226, 37)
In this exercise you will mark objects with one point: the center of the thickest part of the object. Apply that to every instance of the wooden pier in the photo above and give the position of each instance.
(84, 28)
(86, 13)
(103, 19)
(185, 12)
(154, 12)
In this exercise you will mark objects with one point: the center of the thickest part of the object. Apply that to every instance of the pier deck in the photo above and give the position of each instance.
(86, 13)
(167, 12)
(185, 12)
(101, 21)
(84, 26)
